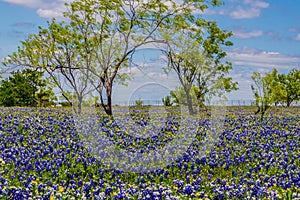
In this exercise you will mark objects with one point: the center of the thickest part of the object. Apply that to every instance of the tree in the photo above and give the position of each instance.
(211, 78)
(262, 90)
(57, 51)
(121, 27)
(45, 97)
(179, 95)
(25, 88)
(286, 88)
(196, 59)
(99, 39)
(185, 59)
(167, 101)
(274, 88)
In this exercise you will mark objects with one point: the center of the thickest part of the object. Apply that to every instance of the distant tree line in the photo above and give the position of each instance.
(275, 89)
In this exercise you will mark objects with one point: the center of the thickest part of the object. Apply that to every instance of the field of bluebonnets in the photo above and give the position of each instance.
(42, 157)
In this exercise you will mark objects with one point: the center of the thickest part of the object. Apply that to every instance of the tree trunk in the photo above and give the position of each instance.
(262, 115)
(108, 106)
(79, 105)
(189, 101)
(200, 102)
(258, 110)
(288, 103)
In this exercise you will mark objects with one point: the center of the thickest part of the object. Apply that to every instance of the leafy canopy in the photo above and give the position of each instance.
(25, 88)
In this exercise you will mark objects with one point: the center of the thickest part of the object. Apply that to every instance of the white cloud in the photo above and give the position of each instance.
(257, 3)
(44, 8)
(238, 9)
(257, 58)
(241, 13)
(244, 85)
(27, 3)
(213, 11)
(252, 10)
(293, 29)
(156, 75)
(297, 37)
(208, 12)
(46, 13)
(274, 35)
(130, 70)
(249, 34)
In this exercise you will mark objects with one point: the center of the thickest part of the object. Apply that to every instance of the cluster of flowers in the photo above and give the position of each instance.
(42, 156)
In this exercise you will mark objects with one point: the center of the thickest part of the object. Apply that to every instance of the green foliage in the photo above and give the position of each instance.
(90, 100)
(65, 104)
(54, 51)
(195, 54)
(274, 88)
(167, 101)
(138, 102)
(98, 39)
(25, 88)
(45, 97)
(286, 88)
(179, 96)
(262, 90)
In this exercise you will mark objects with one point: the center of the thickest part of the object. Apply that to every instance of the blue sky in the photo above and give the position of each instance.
(266, 35)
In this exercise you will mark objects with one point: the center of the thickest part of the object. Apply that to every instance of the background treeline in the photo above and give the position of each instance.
(88, 53)
(273, 89)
